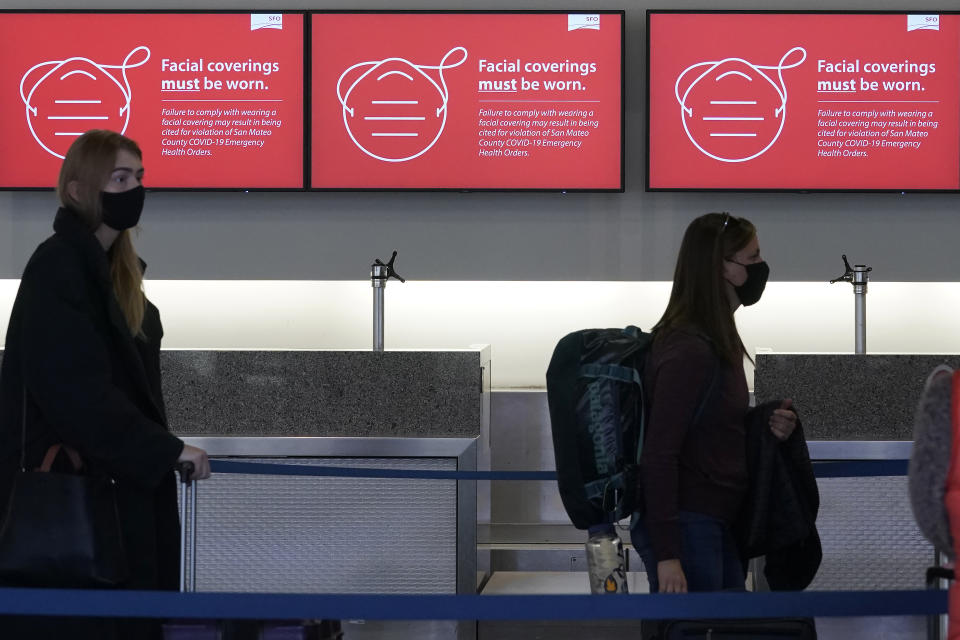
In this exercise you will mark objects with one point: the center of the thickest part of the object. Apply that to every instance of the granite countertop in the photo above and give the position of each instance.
(848, 396)
(323, 393)
(403, 393)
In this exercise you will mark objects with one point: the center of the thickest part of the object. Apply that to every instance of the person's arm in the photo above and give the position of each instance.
(684, 367)
(68, 373)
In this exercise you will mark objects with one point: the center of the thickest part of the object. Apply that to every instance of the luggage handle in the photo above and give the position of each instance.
(188, 494)
(936, 624)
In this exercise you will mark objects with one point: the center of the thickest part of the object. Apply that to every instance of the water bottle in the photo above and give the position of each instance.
(605, 560)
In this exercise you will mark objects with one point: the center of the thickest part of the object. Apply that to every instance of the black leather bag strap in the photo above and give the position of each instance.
(51, 452)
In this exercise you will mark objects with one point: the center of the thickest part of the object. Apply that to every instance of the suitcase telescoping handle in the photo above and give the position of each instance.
(936, 624)
(188, 494)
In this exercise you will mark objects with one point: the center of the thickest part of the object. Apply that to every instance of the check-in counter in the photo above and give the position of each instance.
(858, 407)
(852, 407)
(393, 409)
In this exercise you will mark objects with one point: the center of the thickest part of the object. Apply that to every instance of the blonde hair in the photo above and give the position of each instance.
(88, 164)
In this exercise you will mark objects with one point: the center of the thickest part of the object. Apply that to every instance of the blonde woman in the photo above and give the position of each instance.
(83, 349)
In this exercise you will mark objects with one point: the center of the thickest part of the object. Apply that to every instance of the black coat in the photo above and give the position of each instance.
(779, 516)
(93, 386)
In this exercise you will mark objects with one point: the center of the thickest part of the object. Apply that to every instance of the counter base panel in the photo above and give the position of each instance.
(259, 533)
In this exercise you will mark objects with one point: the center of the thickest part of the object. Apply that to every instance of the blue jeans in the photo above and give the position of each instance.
(708, 553)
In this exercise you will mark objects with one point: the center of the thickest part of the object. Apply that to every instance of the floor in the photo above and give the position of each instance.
(827, 629)
(518, 582)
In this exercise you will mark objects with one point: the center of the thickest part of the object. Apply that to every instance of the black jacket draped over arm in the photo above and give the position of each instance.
(93, 386)
(779, 518)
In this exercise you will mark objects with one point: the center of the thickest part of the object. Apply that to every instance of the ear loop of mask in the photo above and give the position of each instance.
(719, 246)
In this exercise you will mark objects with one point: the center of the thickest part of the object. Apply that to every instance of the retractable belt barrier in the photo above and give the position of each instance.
(831, 469)
(274, 606)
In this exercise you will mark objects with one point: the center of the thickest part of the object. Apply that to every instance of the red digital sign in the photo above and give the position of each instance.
(214, 100)
(803, 101)
(467, 101)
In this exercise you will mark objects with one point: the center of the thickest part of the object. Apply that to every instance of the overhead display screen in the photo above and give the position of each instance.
(467, 100)
(803, 101)
(215, 100)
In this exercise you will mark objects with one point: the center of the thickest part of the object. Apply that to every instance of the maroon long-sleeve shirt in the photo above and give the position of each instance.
(700, 468)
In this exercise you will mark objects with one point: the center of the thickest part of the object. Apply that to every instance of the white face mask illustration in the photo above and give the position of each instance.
(732, 110)
(393, 111)
(64, 98)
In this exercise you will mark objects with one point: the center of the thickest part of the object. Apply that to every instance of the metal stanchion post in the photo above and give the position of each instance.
(193, 537)
(858, 275)
(379, 274)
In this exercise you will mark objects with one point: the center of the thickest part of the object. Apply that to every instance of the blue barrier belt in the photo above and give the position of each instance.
(860, 468)
(266, 468)
(844, 469)
(157, 604)
(274, 606)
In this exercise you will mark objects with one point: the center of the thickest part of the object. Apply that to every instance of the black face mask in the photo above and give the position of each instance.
(122, 210)
(752, 288)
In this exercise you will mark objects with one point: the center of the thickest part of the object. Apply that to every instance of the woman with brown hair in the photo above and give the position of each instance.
(693, 465)
(82, 367)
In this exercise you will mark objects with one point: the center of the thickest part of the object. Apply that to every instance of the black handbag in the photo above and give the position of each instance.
(61, 529)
